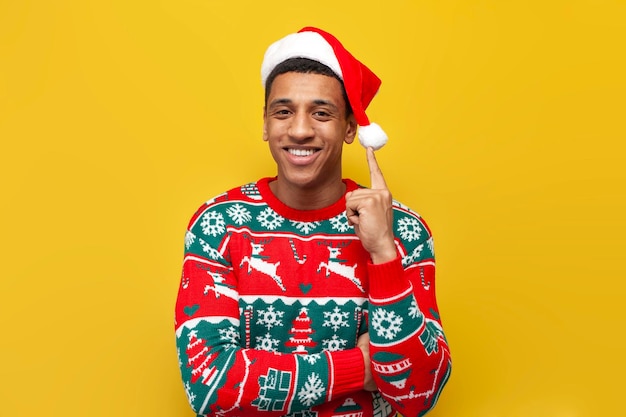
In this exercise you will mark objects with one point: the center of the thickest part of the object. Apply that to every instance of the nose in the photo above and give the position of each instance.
(301, 127)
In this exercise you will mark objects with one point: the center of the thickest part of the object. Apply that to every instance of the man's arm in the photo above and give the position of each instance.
(409, 354)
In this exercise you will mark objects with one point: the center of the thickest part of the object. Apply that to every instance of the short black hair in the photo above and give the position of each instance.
(304, 66)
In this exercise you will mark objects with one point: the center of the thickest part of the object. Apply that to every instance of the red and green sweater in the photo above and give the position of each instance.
(272, 301)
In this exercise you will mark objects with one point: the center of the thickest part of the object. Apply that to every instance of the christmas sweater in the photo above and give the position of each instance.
(272, 301)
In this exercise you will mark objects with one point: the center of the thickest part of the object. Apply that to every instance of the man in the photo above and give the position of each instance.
(305, 294)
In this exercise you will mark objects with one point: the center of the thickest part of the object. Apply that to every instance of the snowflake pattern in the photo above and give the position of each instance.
(340, 223)
(413, 256)
(189, 239)
(312, 390)
(409, 229)
(334, 344)
(190, 394)
(230, 335)
(305, 227)
(381, 406)
(431, 245)
(414, 311)
(239, 214)
(270, 318)
(213, 253)
(267, 343)
(336, 319)
(312, 359)
(213, 223)
(270, 219)
(387, 324)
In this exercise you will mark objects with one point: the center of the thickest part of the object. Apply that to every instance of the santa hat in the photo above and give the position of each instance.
(360, 82)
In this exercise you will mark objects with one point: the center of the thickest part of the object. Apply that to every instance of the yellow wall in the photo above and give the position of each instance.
(507, 123)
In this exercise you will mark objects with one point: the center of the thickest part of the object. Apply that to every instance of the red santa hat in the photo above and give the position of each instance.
(360, 82)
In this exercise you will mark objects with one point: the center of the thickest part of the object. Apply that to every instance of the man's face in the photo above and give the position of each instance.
(305, 125)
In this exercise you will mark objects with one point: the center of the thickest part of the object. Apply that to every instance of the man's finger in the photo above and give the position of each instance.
(377, 181)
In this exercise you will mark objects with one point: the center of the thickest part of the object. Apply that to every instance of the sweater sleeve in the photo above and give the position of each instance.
(220, 373)
(410, 357)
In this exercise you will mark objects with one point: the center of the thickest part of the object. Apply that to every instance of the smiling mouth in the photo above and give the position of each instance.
(301, 152)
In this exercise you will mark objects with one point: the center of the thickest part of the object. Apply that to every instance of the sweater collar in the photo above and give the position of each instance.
(290, 213)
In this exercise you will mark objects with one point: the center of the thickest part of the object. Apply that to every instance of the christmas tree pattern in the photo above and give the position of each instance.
(301, 333)
(199, 360)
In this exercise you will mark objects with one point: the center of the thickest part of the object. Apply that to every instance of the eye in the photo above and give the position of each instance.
(321, 114)
(281, 113)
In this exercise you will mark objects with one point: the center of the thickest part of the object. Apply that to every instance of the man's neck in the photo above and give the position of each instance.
(313, 198)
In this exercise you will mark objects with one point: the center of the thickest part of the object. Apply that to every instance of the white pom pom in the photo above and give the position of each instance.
(372, 135)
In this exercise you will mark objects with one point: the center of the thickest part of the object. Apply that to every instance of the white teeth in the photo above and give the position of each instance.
(301, 152)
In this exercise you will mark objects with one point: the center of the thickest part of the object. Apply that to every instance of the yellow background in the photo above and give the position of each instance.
(119, 118)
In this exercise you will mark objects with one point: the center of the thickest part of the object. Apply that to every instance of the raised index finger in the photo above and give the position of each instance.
(376, 175)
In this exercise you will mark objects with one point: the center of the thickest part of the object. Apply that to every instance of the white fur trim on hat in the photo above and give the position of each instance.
(309, 45)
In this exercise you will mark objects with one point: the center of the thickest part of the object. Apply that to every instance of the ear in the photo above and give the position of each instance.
(350, 129)
(265, 136)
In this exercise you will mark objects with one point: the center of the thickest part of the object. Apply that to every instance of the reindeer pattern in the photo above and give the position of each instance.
(267, 249)
(296, 265)
(258, 262)
(337, 266)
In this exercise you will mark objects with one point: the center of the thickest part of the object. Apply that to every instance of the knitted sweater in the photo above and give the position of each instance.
(273, 299)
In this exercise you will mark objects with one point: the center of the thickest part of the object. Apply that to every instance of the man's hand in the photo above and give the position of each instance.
(363, 343)
(371, 214)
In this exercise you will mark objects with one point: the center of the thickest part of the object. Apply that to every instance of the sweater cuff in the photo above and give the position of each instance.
(387, 280)
(348, 370)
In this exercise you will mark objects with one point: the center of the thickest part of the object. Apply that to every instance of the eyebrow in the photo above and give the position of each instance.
(320, 102)
(280, 101)
(317, 102)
